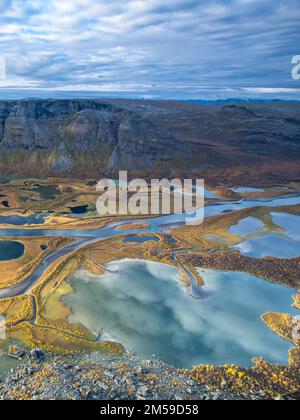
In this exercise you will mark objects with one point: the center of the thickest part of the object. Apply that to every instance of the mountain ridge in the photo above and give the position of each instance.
(89, 137)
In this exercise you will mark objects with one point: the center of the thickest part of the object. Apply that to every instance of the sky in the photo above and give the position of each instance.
(176, 49)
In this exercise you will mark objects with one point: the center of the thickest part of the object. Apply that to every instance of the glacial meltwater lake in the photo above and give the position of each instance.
(150, 311)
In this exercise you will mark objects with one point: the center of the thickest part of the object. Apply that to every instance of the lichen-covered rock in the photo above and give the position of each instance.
(16, 352)
(130, 378)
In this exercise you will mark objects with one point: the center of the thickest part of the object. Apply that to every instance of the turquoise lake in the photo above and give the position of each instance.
(150, 311)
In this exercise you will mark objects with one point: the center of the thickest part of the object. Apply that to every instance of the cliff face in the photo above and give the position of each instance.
(66, 134)
(92, 137)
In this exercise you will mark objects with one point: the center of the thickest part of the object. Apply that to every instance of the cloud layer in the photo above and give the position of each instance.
(175, 48)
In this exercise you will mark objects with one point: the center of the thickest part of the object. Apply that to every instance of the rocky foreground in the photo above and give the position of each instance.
(41, 377)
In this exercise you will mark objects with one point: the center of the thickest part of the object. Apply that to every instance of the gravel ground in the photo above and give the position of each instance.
(92, 378)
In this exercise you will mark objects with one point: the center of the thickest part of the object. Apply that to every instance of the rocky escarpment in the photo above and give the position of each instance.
(72, 134)
(86, 138)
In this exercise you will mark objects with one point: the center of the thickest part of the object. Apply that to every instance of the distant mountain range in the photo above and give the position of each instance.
(234, 101)
(91, 137)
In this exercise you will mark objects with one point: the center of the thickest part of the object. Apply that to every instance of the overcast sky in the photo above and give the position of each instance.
(149, 48)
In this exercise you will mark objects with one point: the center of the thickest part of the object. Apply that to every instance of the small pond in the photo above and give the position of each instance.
(34, 219)
(47, 192)
(79, 209)
(11, 250)
(141, 239)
